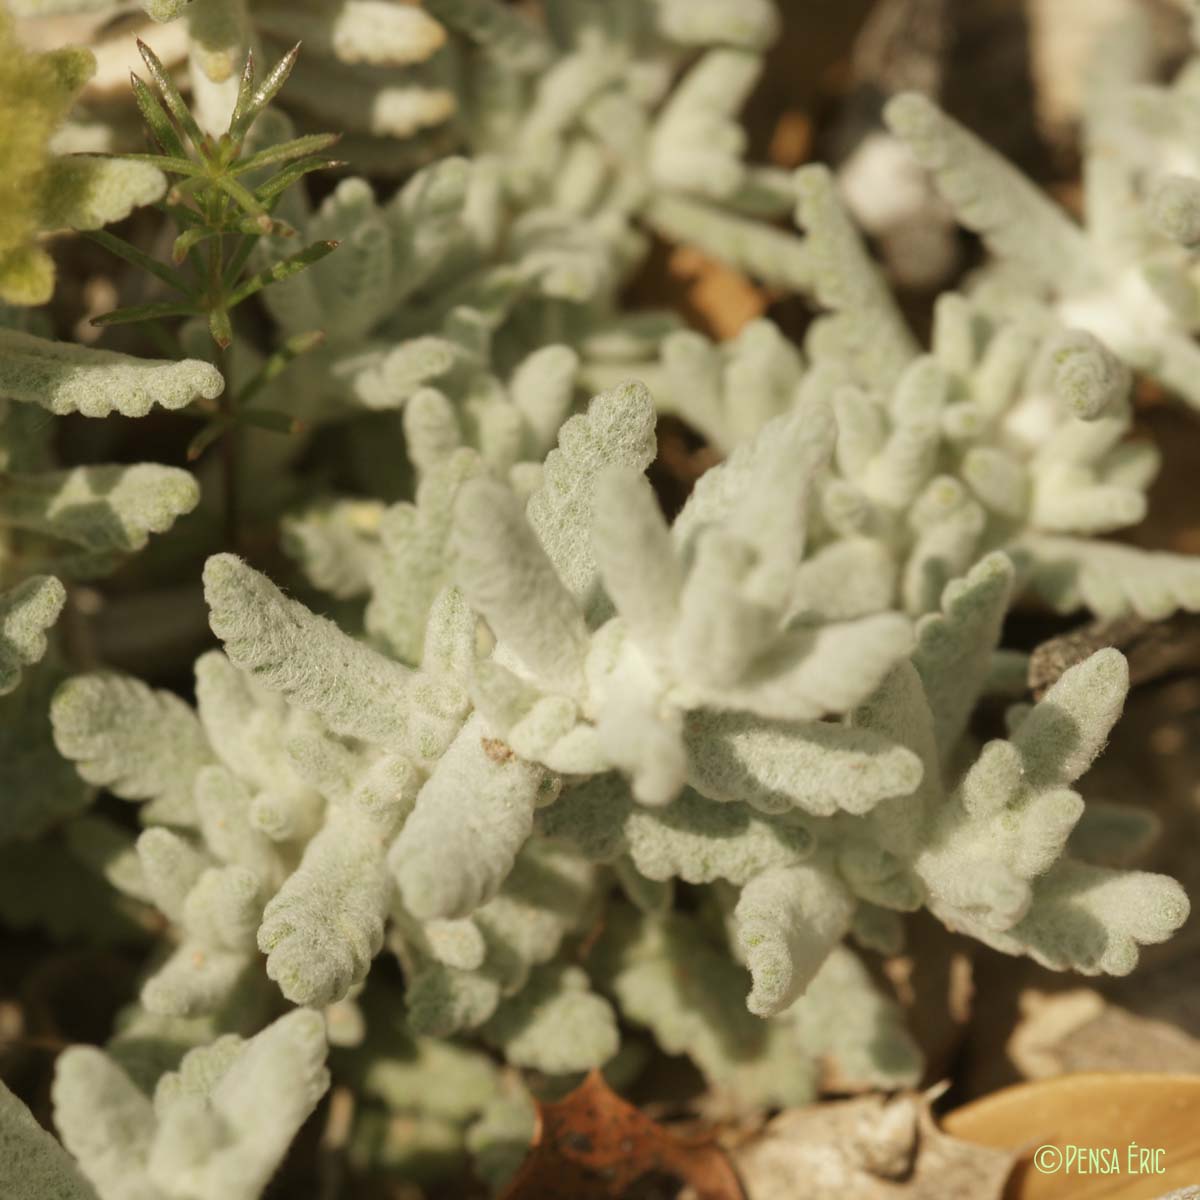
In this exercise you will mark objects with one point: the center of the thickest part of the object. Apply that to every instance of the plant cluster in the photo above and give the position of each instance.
(594, 780)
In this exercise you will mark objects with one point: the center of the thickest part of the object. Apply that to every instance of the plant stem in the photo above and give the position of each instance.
(229, 447)
(229, 461)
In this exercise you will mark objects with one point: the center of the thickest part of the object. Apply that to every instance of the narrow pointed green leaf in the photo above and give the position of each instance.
(298, 344)
(269, 418)
(253, 227)
(205, 438)
(188, 240)
(139, 258)
(161, 128)
(279, 183)
(265, 92)
(245, 92)
(300, 147)
(172, 164)
(284, 269)
(146, 312)
(171, 96)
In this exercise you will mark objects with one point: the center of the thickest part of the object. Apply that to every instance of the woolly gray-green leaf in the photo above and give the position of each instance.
(616, 430)
(105, 510)
(324, 926)
(66, 378)
(335, 543)
(471, 818)
(412, 564)
(555, 1024)
(819, 767)
(787, 922)
(26, 612)
(1016, 219)
(508, 578)
(954, 647)
(316, 666)
(139, 743)
(83, 191)
(32, 1163)
(848, 283)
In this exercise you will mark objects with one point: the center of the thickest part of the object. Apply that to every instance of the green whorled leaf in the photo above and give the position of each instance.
(139, 743)
(26, 612)
(66, 378)
(33, 1163)
(85, 191)
(284, 269)
(616, 430)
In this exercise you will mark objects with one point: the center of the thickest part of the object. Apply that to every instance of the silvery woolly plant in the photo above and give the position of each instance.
(594, 781)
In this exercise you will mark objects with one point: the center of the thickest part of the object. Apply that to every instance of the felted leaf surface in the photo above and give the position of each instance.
(26, 612)
(65, 378)
(33, 1163)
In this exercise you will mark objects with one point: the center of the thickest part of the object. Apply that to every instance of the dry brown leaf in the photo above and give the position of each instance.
(871, 1148)
(1098, 1112)
(592, 1145)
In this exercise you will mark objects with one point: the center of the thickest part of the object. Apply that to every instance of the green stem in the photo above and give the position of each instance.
(229, 446)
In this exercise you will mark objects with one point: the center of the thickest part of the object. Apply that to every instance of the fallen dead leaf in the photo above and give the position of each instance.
(592, 1145)
(872, 1148)
(1111, 1111)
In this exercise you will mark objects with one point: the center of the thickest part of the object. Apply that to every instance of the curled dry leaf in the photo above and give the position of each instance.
(592, 1145)
(872, 1148)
